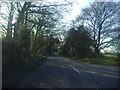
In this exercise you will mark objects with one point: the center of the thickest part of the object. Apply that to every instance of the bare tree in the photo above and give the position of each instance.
(101, 18)
(7, 17)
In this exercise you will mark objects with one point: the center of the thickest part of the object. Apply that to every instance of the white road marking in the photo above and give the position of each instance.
(74, 68)
(93, 72)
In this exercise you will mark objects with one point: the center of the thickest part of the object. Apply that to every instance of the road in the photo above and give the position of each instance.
(60, 72)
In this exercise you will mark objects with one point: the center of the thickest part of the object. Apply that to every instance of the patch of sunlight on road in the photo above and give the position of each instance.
(51, 57)
(55, 58)
(111, 76)
(88, 71)
(99, 74)
(54, 65)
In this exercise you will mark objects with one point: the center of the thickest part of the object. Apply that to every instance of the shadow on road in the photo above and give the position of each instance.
(60, 72)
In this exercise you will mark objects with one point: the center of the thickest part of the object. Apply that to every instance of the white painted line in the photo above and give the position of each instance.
(74, 68)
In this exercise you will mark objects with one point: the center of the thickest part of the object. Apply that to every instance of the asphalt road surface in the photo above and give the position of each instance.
(60, 72)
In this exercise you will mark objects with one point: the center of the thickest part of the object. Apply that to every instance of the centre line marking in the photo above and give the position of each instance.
(74, 68)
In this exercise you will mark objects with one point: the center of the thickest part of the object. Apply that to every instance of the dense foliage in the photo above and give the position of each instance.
(31, 33)
(77, 43)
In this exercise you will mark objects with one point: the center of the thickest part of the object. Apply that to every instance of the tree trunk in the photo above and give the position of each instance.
(97, 52)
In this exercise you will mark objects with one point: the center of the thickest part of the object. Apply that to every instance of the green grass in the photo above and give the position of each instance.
(106, 60)
(101, 61)
(110, 57)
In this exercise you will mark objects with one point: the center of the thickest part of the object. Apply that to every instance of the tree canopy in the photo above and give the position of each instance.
(77, 43)
(101, 19)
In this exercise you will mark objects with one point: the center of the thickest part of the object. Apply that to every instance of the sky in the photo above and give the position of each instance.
(77, 5)
(76, 9)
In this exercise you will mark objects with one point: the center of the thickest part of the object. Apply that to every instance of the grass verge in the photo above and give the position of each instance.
(106, 60)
